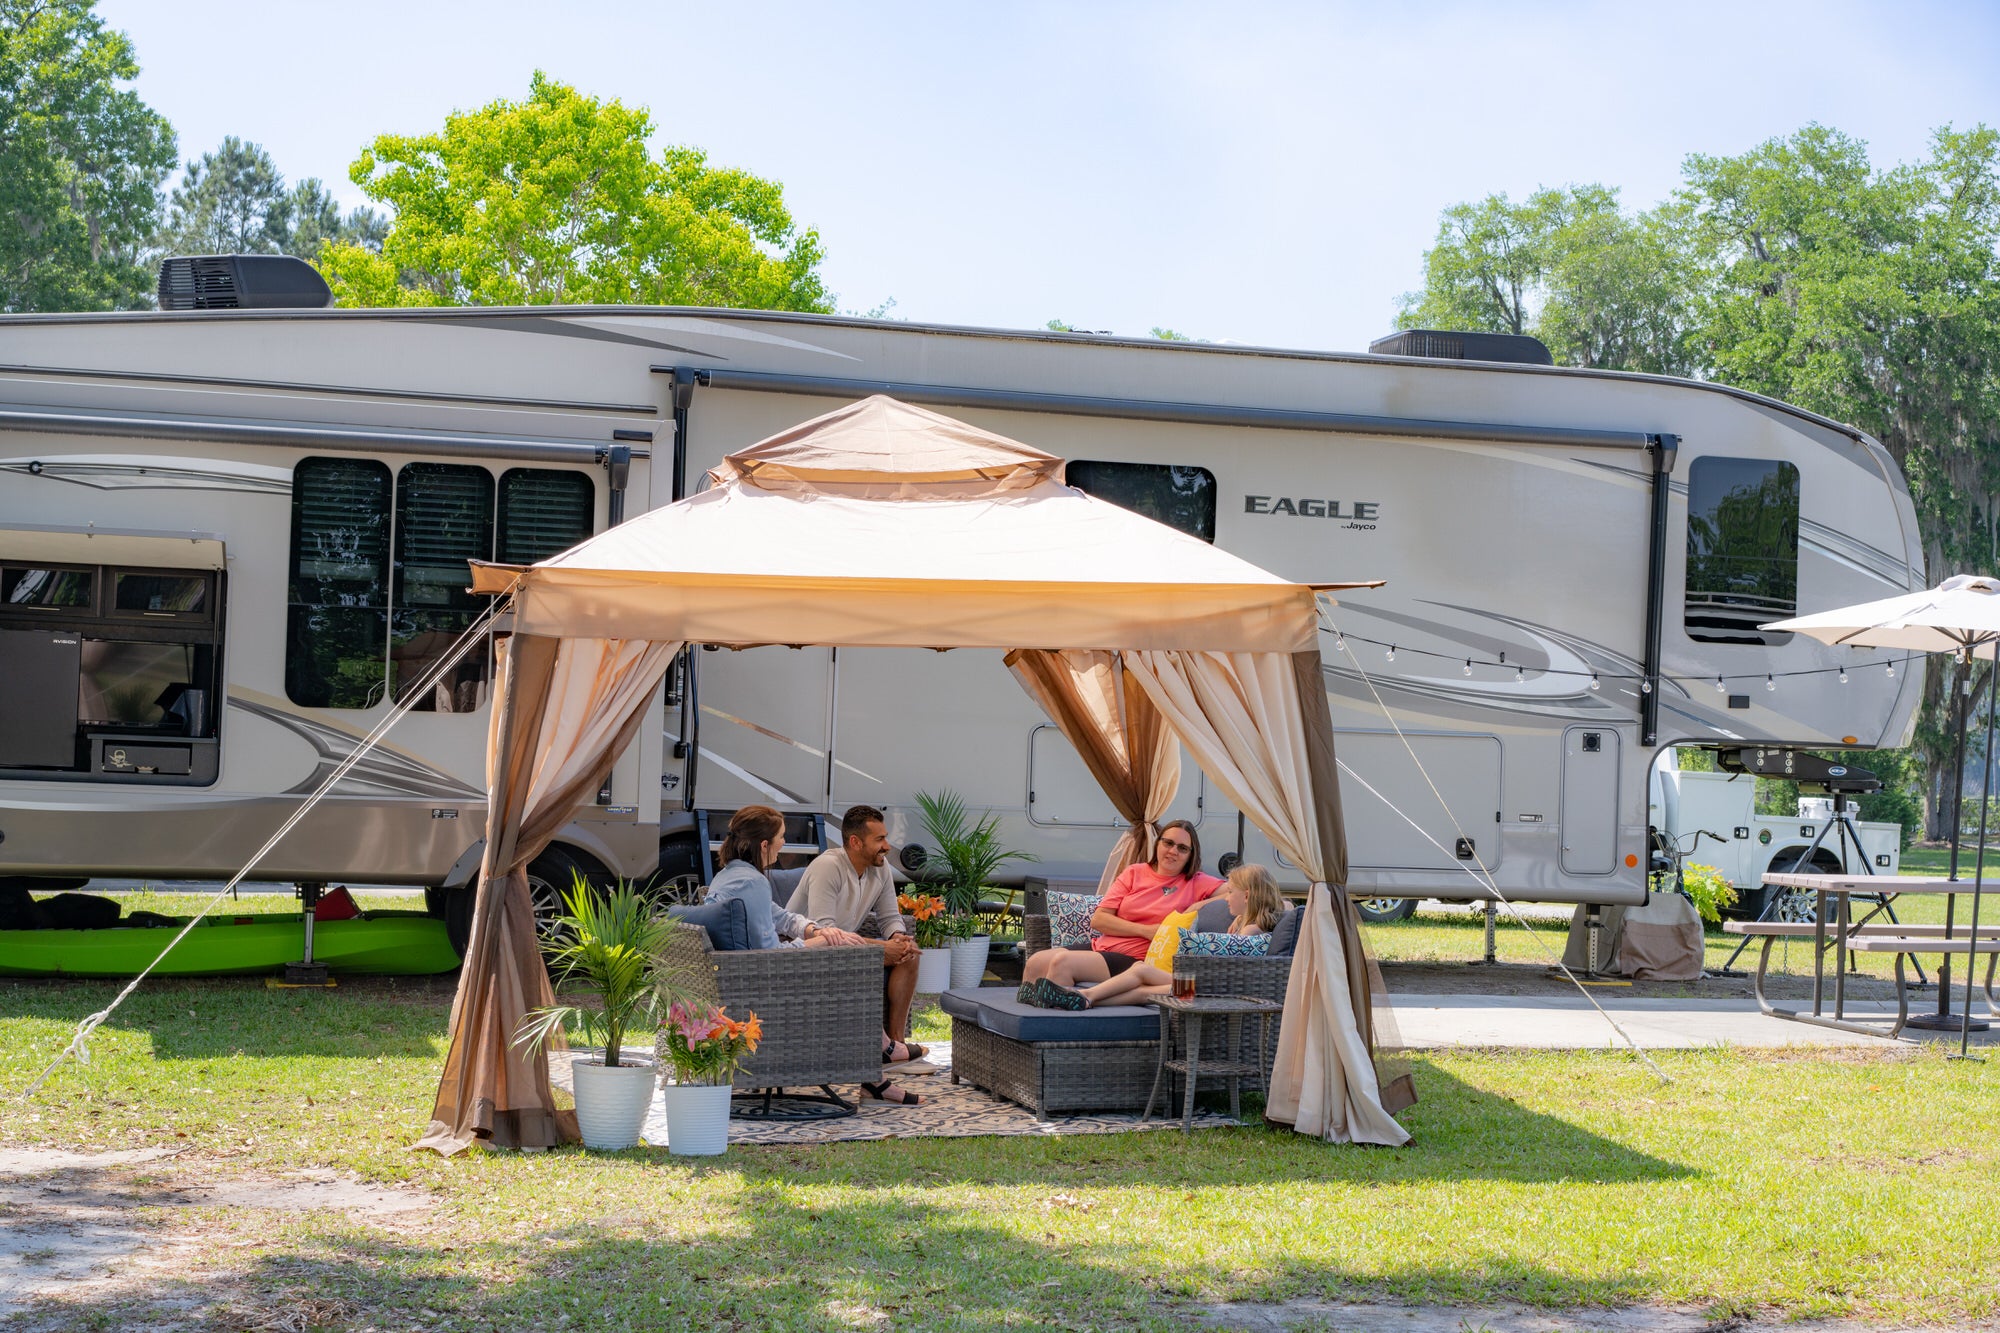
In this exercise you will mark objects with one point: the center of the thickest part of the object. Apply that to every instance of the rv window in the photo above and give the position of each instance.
(1742, 549)
(444, 517)
(183, 596)
(1180, 497)
(337, 628)
(132, 684)
(24, 586)
(542, 513)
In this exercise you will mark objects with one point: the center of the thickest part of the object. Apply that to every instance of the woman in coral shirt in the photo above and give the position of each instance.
(1131, 910)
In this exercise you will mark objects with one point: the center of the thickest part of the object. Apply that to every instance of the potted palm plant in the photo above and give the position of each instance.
(971, 852)
(605, 945)
(705, 1047)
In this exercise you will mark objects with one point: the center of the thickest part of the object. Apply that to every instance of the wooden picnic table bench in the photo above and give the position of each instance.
(1901, 940)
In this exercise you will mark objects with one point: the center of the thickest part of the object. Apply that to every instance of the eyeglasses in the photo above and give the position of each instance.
(1177, 846)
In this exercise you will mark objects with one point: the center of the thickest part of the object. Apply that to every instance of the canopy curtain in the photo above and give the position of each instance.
(1120, 735)
(1259, 726)
(567, 708)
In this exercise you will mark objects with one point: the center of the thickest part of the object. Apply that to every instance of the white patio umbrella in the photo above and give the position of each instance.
(1960, 615)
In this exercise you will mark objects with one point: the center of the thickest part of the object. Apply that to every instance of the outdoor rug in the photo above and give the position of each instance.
(948, 1111)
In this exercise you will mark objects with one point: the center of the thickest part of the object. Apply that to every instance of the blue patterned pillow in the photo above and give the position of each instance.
(1208, 944)
(1069, 920)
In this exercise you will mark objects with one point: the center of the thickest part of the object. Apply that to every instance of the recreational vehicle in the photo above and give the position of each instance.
(231, 538)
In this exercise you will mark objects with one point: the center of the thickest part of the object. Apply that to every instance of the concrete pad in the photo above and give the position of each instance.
(1570, 1022)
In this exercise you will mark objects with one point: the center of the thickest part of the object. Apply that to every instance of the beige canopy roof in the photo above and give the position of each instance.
(884, 525)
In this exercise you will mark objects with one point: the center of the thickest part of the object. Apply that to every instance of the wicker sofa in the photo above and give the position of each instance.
(1031, 1058)
(821, 1009)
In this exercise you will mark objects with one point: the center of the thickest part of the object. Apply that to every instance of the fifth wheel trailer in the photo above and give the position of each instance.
(229, 538)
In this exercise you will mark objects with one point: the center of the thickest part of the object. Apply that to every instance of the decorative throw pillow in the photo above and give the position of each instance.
(727, 922)
(1213, 915)
(1285, 935)
(1207, 944)
(1069, 920)
(1167, 940)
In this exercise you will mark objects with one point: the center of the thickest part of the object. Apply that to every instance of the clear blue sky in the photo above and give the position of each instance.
(1256, 173)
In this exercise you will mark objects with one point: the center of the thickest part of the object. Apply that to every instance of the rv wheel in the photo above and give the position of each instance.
(549, 878)
(678, 880)
(1385, 909)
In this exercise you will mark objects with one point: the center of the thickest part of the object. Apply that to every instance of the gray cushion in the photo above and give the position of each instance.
(1213, 917)
(727, 923)
(785, 886)
(1285, 936)
(996, 1010)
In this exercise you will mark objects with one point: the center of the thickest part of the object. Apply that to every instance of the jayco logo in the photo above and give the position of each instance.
(1360, 514)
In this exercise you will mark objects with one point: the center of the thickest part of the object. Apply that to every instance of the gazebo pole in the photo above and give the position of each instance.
(1979, 866)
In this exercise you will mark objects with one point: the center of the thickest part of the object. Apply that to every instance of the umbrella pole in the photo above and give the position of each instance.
(1979, 866)
(1944, 1020)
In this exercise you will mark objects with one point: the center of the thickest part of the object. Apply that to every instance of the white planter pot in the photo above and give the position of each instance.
(968, 961)
(611, 1104)
(697, 1118)
(933, 970)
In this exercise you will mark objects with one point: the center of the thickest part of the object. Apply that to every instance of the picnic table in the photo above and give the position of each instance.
(1844, 935)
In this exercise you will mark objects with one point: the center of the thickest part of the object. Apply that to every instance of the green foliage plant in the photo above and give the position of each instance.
(558, 199)
(610, 944)
(1708, 889)
(970, 849)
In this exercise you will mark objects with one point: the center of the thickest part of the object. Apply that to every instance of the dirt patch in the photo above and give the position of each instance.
(1330, 1317)
(77, 1225)
(1539, 979)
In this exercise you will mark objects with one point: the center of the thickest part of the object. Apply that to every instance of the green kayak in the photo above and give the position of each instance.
(392, 943)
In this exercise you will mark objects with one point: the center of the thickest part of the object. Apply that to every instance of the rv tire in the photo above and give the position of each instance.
(549, 875)
(1381, 910)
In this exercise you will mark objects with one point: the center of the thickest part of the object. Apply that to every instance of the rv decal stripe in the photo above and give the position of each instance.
(335, 390)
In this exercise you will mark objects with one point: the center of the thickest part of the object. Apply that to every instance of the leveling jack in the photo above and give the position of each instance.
(306, 972)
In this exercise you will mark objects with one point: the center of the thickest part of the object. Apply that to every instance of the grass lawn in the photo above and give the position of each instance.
(1937, 860)
(1796, 1183)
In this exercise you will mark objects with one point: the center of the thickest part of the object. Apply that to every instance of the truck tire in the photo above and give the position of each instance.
(1799, 906)
(1382, 910)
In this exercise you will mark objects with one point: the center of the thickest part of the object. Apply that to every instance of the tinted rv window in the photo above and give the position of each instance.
(1180, 497)
(542, 513)
(444, 517)
(1743, 548)
(26, 586)
(338, 621)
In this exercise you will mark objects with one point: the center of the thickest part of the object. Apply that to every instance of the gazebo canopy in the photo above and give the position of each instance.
(885, 525)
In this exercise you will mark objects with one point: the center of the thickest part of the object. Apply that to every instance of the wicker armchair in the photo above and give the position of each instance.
(821, 1009)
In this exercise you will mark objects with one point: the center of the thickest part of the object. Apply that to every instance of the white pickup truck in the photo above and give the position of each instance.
(1712, 818)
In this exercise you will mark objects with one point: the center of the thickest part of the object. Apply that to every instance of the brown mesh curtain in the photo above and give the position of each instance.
(568, 708)
(1259, 726)
(1123, 740)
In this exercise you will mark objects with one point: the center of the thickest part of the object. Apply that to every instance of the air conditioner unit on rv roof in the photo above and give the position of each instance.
(1449, 346)
(241, 282)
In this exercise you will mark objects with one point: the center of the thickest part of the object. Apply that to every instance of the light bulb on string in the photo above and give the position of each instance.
(1468, 666)
(1519, 675)
(1843, 675)
(1892, 670)
(1339, 642)
(1390, 656)
(1593, 681)
(1769, 682)
(1720, 688)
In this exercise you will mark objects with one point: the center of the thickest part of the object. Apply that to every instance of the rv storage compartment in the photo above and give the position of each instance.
(38, 703)
(109, 754)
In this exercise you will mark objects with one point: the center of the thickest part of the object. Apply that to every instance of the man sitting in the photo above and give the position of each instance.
(850, 888)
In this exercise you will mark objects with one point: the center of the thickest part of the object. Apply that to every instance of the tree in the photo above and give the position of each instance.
(1568, 266)
(558, 199)
(1872, 296)
(81, 162)
(233, 201)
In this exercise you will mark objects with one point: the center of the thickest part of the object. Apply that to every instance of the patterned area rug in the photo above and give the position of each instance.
(948, 1111)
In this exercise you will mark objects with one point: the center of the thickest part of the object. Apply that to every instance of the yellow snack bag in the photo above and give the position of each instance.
(1167, 940)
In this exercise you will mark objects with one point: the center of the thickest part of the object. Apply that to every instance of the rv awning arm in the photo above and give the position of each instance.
(1147, 409)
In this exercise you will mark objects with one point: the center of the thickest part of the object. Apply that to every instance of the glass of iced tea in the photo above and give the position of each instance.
(1183, 983)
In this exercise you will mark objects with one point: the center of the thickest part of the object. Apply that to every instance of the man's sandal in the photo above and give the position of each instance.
(910, 1051)
(885, 1091)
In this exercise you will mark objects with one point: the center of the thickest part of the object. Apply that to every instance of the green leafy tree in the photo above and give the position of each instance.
(558, 199)
(81, 162)
(313, 218)
(1873, 296)
(1567, 266)
(235, 201)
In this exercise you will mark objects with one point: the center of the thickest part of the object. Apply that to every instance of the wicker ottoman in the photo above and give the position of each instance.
(1051, 1061)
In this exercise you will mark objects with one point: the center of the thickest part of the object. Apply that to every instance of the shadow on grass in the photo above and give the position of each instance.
(774, 1262)
(204, 1018)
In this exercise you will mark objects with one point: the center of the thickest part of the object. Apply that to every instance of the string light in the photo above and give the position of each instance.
(1519, 675)
(1339, 642)
(1769, 683)
(1390, 656)
(1720, 688)
(1645, 684)
(1892, 671)
(1843, 675)
(1468, 666)
(1593, 681)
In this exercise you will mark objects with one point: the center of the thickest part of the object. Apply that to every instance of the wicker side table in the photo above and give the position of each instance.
(1184, 1017)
